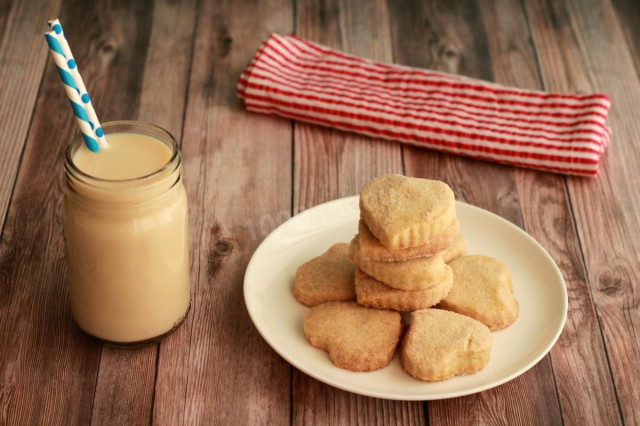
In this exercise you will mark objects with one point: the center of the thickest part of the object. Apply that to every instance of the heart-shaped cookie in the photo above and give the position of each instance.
(356, 338)
(482, 290)
(373, 293)
(440, 344)
(415, 274)
(372, 249)
(326, 278)
(405, 212)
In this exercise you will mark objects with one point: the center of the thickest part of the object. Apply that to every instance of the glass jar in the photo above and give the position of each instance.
(127, 245)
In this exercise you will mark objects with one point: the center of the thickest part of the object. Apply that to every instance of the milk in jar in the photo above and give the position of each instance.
(126, 234)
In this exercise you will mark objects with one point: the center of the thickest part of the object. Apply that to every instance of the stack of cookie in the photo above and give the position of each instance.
(407, 235)
(408, 255)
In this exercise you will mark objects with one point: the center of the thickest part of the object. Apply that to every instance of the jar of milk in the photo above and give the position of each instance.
(126, 234)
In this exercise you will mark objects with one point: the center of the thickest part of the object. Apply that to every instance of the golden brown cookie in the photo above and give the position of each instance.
(414, 274)
(372, 249)
(356, 338)
(482, 290)
(326, 278)
(457, 249)
(440, 344)
(406, 212)
(373, 293)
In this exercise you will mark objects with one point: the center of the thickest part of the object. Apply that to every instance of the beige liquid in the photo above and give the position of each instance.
(127, 247)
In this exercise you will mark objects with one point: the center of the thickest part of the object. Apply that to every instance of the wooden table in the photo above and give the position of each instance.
(176, 64)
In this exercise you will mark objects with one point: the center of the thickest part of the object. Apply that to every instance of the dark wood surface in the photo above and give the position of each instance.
(176, 63)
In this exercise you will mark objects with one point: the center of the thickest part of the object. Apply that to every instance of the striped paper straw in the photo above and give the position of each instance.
(77, 78)
(74, 87)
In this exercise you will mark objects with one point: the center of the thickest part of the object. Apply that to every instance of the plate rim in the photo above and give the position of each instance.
(411, 397)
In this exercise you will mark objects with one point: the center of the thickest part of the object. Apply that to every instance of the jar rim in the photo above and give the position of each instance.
(77, 139)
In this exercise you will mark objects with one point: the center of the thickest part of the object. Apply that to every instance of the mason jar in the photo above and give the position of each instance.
(127, 239)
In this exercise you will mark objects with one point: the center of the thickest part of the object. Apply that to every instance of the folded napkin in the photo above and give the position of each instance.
(297, 79)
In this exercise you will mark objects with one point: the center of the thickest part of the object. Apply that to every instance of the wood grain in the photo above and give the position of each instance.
(167, 65)
(586, 394)
(584, 49)
(126, 378)
(49, 369)
(23, 55)
(124, 387)
(629, 17)
(458, 42)
(330, 164)
(216, 368)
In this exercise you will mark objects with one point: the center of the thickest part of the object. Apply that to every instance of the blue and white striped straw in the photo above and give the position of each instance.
(74, 87)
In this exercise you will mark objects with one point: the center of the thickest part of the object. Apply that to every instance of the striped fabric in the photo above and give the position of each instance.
(297, 79)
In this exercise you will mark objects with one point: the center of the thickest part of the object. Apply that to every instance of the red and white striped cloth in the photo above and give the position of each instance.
(297, 79)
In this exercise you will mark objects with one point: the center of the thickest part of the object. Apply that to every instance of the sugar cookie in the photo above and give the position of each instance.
(372, 249)
(356, 338)
(441, 344)
(482, 290)
(414, 274)
(375, 294)
(326, 278)
(405, 212)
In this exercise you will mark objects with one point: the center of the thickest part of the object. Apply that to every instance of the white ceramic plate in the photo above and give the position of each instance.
(537, 284)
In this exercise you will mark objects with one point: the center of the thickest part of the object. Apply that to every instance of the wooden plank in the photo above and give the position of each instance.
(629, 16)
(23, 56)
(582, 48)
(459, 41)
(331, 164)
(585, 387)
(216, 368)
(49, 370)
(124, 386)
(166, 70)
(124, 390)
